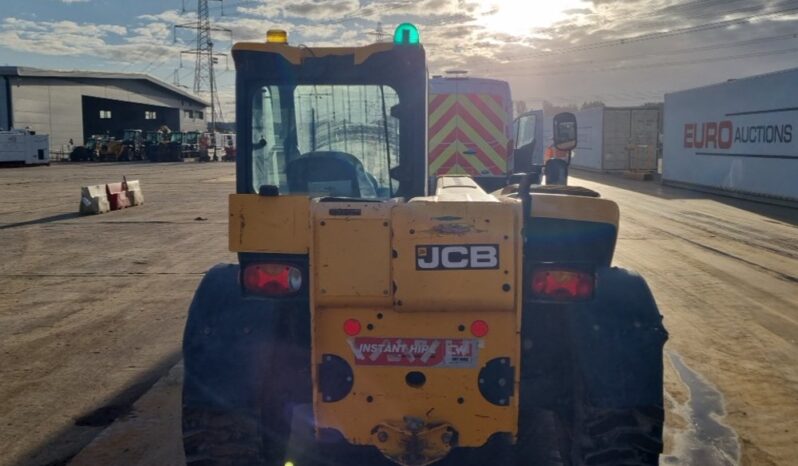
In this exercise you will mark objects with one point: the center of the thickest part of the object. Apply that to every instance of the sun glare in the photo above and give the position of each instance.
(520, 17)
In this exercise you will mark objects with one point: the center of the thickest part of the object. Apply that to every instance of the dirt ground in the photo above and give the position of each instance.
(92, 310)
(725, 275)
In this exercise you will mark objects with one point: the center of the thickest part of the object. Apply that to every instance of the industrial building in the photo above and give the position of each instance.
(74, 105)
(735, 138)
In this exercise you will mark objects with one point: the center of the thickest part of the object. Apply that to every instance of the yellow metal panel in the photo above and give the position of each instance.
(475, 419)
(580, 208)
(276, 224)
(419, 224)
(381, 395)
(588, 209)
(351, 258)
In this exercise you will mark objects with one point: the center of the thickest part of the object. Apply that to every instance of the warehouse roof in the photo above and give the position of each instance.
(24, 71)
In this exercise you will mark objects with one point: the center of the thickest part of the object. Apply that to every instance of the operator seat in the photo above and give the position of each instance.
(330, 173)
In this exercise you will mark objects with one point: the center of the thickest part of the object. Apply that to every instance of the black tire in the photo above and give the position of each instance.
(227, 438)
(213, 437)
(605, 406)
(615, 437)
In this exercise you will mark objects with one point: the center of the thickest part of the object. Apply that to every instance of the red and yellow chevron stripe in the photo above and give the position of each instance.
(467, 134)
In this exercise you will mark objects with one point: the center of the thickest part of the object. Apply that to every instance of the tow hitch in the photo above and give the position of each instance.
(412, 442)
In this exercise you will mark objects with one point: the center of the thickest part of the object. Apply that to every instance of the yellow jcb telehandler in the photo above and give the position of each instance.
(370, 321)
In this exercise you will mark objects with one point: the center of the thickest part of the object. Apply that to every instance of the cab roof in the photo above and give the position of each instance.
(296, 54)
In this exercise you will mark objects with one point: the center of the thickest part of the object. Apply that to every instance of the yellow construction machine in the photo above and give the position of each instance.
(373, 319)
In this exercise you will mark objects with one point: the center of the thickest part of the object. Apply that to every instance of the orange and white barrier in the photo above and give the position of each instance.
(93, 200)
(99, 199)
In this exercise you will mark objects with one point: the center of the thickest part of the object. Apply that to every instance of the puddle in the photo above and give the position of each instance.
(707, 441)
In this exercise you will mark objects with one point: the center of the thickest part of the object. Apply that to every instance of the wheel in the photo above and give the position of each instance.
(605, 406)
(212, 437)
(226, 437)
(257, 434)
(614, 437)
(216, 436)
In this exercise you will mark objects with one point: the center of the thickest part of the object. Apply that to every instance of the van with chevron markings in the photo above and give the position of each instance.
(470, 128)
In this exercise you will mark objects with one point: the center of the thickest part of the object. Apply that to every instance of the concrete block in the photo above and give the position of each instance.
(93, 200)
(134, 194)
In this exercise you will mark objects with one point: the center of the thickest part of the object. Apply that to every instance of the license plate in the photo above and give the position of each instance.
(415, 352)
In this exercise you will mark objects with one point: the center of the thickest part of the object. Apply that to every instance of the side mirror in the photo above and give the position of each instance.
(565, 131)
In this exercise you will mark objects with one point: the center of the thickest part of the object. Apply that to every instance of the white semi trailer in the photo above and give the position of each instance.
(739, 137)
(24, 147)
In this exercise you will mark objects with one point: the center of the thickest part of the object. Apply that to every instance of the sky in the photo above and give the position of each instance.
(621, 52)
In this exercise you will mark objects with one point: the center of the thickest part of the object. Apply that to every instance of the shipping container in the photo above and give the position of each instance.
(23, 147)
(617, 139)
(735, 137)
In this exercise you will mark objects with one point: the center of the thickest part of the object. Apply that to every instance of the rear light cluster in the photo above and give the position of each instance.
(272, 279)
(562, 284)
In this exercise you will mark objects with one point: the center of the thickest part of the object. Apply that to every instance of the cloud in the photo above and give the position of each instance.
(166, 16)
(546, 48)
(304, 9)
(75, 1)
(105, 41)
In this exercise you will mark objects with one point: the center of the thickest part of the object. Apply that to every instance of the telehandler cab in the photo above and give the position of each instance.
(371, 322)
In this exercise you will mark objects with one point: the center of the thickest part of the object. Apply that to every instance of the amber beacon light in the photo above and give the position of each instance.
(276, 36)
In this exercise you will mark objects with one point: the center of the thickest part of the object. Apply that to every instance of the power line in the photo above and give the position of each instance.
(204, 56)
(352, 13)
(160, 61)
(697, 61)
(687, 6)
(656, 35)
(725, 45)
(679, 8)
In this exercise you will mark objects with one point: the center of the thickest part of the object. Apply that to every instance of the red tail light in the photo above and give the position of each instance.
(562, 284)
(272, 279)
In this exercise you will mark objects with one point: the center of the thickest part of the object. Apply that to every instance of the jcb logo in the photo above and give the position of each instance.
(457, 257)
